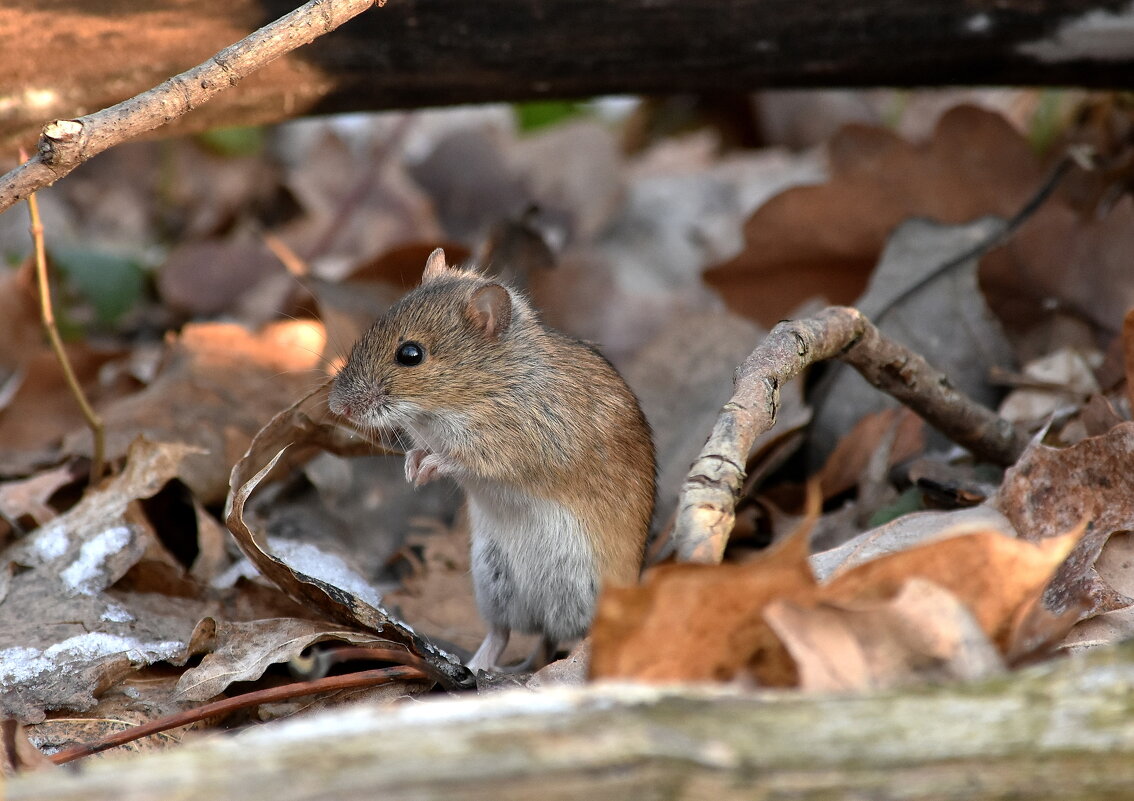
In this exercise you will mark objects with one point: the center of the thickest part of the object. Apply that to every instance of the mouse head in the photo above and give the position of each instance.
(438, 355)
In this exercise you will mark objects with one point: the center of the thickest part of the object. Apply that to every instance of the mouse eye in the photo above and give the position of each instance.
(410, 354)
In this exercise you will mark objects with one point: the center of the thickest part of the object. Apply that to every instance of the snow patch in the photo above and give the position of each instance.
(19, 665)
(309, 560)
(116, 614)
(84, 575)
(50, 542)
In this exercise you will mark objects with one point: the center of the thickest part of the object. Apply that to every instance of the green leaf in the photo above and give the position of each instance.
(541, 113)
(111, 283)
(908, 501)
(240, 141)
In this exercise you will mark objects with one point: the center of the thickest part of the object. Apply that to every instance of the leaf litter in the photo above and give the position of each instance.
(129, 601)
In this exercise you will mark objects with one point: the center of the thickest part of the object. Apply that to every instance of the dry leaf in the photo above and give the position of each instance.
(992, 575)
(924, 633)
(703, 623)
(844, 467)
(27, 498)
(220, 384)
(905, 532)
(1061, 259)
(302, 429)
(56, 612)
(243, 651)
(17, 754)
(827, 238)
(1128, 353)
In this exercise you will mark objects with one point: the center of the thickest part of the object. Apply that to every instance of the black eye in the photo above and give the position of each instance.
(410, 354)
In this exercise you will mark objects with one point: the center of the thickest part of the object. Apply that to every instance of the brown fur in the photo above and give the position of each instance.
(525, 407)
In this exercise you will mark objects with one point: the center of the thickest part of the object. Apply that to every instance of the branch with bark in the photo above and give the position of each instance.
(65, 144)
(706, 507)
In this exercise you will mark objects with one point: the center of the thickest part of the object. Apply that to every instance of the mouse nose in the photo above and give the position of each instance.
(337, 401)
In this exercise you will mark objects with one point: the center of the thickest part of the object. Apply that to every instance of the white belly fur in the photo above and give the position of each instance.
(533, 567)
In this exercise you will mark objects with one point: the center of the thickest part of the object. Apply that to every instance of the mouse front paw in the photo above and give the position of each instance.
(423, 466)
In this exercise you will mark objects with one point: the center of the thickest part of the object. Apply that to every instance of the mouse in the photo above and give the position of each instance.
(544, 437)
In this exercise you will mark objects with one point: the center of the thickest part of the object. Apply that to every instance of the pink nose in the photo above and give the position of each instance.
(339, 406)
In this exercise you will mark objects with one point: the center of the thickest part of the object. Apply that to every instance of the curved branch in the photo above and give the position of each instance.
(706, 508)
(65, 144)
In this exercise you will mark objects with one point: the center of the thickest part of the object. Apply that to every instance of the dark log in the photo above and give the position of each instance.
(65, 58)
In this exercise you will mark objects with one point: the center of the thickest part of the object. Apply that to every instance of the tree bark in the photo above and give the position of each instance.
(1063, 730)
(65, 58)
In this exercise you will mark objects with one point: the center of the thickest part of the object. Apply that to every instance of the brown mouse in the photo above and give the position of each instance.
(539, 430)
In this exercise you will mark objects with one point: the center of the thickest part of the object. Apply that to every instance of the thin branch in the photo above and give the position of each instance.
(65, 144)
(351, 681)
(47, 317)
(707, 505)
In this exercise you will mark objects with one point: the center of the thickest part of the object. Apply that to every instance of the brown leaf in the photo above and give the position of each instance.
(827, 238)
(993, 575)
(844, 467)
(691, 622)
(338, 594)
(219, 385)
(1065, 260)
(28, 497)
(905, 532)
(1128, 353)
(923, 633)
(243, 651)
(17, 754)
(1050, 490)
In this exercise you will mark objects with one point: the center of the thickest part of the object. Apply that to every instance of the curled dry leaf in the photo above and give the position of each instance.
(300, 431)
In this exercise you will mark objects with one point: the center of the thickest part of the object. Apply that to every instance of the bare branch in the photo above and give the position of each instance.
(706, 509)
(65, 144)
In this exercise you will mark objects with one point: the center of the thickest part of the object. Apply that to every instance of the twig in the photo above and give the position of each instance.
(364, 678)
(707, 505)
(47, 317)
(65, 144)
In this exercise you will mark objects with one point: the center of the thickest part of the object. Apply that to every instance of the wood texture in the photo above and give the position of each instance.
(66, 58)
(1064, 730)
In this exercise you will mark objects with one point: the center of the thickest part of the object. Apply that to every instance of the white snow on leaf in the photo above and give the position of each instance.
(21, 665)
(309, 560)
(50, 542)
(84, 575)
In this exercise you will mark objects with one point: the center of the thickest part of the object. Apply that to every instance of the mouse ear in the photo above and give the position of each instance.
(435, 266)
(490, 310)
